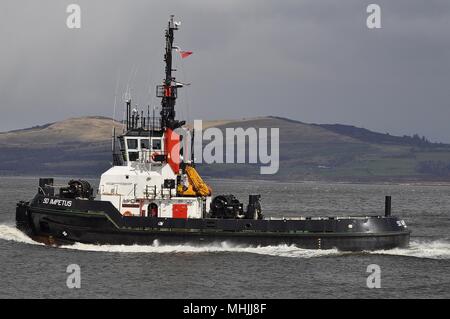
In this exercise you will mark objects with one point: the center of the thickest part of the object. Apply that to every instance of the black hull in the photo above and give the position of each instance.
(98, 222)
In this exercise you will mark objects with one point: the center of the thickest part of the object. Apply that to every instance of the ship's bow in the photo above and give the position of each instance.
(23, 218)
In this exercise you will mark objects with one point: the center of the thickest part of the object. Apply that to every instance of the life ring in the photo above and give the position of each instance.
(152, 157)
(127, 213)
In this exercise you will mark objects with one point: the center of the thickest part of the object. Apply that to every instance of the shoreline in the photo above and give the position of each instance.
(399, 182)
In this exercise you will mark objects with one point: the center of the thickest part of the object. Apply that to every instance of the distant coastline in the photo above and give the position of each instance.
(308, 152)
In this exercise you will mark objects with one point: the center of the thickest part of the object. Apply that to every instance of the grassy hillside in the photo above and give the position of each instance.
(74, 146)
(344, 153)
(82, 146)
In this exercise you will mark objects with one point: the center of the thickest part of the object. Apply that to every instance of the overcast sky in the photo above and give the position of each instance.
(313, 61)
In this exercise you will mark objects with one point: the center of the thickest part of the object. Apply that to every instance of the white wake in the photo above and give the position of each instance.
(11, 233)
(220, 247)
(438, 249)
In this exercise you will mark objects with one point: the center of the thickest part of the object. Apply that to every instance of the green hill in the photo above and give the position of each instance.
(81, 146)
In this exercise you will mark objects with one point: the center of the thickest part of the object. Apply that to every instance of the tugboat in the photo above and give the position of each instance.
(152, 194)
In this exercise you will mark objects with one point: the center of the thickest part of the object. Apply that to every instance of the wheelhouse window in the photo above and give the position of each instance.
(132, 144)
(145, 144)
(156, 144)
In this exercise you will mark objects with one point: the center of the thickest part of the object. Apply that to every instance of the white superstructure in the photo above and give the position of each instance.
(148, 177)
(144, 186)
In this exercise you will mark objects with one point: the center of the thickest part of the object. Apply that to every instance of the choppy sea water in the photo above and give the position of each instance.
(222, 270)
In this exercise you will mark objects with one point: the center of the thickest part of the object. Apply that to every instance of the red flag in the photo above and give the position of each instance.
(185, 54)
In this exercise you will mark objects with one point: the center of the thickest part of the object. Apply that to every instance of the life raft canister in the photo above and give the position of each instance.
(153, 157)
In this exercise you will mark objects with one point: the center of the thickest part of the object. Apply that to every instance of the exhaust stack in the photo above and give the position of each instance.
(388, 206)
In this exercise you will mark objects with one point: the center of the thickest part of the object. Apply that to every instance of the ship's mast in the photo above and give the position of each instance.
(167, 91)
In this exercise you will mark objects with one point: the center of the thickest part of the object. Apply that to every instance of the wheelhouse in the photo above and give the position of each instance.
(142, 149)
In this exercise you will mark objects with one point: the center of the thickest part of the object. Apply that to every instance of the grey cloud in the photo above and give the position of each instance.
(314, 61)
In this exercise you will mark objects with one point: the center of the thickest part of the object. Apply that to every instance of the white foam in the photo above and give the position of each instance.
(437, 249)
(280, 250)
(11, 233)
(434, 250)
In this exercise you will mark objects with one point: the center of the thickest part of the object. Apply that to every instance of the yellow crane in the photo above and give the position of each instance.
(197, 186)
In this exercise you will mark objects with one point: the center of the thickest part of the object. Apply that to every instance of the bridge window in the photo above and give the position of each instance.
(145, 144)
(132, 144)
(156, 144)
